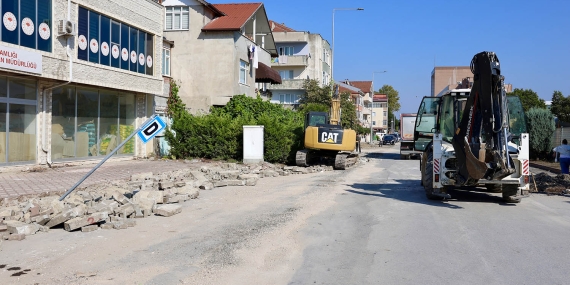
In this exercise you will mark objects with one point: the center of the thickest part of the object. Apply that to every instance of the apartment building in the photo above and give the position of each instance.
(222, 50)
(77, 78)
(380, 113)
(363, 113)
(301, 55)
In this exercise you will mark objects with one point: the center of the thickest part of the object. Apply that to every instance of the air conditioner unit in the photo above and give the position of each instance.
(66, 28)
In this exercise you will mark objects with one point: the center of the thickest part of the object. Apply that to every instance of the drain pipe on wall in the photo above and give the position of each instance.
(44, 92)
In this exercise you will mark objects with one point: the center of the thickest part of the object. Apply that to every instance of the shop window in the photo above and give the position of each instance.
(108, 42)
(27, 23)
(86, 124)
(22, 89)
(115, 44)
(93, 39)
(104, 43)
(17, 120)
(91, 122)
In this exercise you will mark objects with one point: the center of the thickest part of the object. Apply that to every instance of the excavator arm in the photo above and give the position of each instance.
(484, 125)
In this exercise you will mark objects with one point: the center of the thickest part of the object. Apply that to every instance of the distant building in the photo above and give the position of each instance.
(444, 78)
(301, 55)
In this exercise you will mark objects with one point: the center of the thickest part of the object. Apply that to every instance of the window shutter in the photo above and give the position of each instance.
(185, 21)
(176, 21)
(169, 21)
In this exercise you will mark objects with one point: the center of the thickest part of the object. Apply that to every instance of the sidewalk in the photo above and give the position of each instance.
(14, 183)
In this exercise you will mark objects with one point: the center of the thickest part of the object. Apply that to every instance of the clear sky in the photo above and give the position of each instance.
(406, 38)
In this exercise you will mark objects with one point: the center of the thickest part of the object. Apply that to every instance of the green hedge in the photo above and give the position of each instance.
(219, 135)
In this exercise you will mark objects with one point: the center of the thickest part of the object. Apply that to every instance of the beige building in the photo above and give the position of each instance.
(445, 78)
(300, 55)
(380, 113)
(222, 50)
(77, 80)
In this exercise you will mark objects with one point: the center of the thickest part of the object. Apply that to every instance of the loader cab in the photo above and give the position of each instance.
(440, 114)
(426, 122)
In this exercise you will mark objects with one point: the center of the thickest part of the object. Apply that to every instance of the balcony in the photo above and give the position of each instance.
(288, 84)
(290, 60)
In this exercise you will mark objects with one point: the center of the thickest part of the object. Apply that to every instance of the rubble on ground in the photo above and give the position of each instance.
(117, 204)
(552, 185)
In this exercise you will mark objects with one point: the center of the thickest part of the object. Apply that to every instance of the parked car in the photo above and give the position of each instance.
(389, 139)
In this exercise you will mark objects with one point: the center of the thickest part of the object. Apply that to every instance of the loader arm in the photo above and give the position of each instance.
(484, 124)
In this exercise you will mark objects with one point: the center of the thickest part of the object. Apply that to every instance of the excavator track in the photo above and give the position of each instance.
(301, 158)
(345, 160)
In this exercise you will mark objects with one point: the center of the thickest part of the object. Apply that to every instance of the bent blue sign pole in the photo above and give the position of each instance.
(149, 129)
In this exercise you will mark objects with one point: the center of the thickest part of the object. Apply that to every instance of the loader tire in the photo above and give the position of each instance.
(427, 178)
(510, 193)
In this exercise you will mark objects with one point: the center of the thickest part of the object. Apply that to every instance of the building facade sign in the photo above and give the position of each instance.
(19, 59)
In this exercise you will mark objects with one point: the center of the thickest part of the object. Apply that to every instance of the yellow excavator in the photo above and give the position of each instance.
(325, 139)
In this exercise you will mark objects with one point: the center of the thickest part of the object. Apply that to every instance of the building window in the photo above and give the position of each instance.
(243, 71)
(112, 43)
(289, 99)
(286, 74)
(374, 123)
(89, 122)
(18, 99)
(177, 18)
(27, 23)
(384, 122)
(286, 51)
(166, 61)
(385, 113)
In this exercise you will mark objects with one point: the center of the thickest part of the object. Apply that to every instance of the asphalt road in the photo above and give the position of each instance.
(382, 230)
(368, 225)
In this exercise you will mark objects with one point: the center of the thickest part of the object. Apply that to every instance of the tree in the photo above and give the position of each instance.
(529, 98)
(315, 94)
(348, 117)
(393, 101)
(560, 106)
(540, 124)
(319, 99)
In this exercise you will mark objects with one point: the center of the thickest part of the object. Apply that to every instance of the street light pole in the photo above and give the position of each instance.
(372, 106)
(332, 51)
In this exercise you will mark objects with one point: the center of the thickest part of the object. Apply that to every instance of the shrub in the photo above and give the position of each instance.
(541, 126)
(219, 135)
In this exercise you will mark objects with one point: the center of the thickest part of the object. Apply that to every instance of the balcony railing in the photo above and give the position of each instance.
(290, 60)
(292, 84)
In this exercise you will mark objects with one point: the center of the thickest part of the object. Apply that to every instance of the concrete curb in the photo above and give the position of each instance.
(553, 170)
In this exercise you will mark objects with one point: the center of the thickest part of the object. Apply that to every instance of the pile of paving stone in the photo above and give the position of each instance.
(117, 204)
(554, 185)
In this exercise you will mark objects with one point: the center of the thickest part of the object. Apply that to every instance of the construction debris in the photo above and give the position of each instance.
(552, 185)
(116, 204)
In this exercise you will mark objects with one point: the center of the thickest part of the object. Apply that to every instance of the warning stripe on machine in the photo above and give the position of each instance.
(525, 167)
(436, 166)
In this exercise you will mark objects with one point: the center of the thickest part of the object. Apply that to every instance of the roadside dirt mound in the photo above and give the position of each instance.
(555, 185)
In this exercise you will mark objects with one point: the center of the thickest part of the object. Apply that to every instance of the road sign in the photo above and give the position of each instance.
(151, 129)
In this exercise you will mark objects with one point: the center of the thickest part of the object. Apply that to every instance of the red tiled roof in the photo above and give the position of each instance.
(380, 98)
(236, 16)
(365, 86)
(276, 27)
